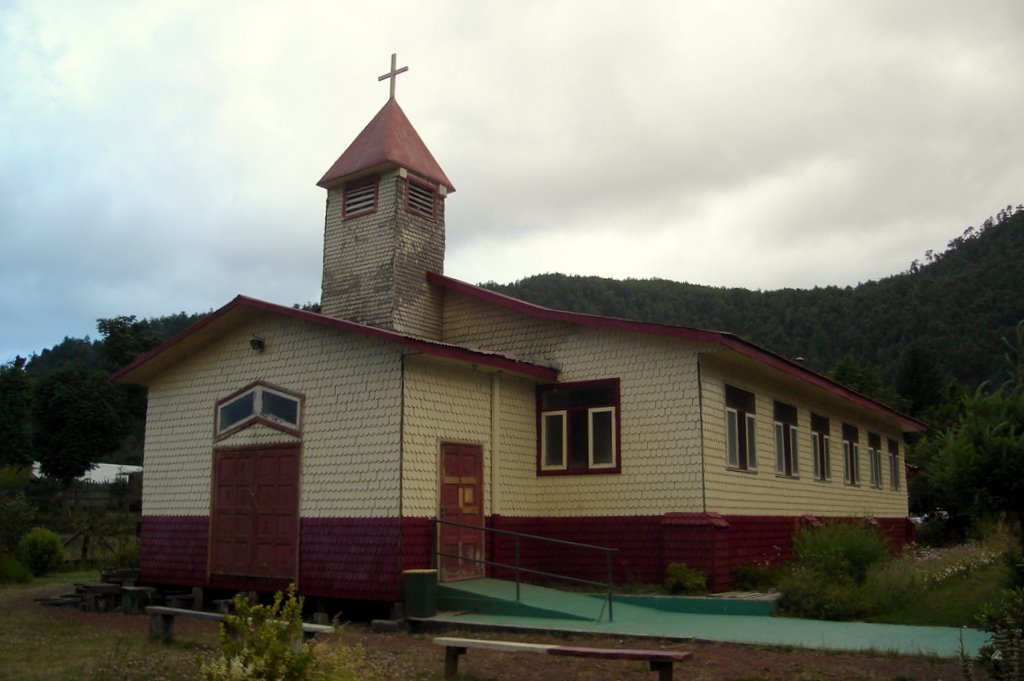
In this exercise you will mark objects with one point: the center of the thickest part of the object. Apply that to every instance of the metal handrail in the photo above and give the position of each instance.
(608, 551)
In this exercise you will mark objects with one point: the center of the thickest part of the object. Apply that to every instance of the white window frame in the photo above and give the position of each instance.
(257, 413)
(875, 460)
(590, 437)
(782, 430)
(564, 417)
(732, 443)
(851, 463)
(819, 439)
(894, 468)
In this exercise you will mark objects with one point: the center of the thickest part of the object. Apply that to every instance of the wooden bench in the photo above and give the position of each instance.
(161, 623)
(660, 661)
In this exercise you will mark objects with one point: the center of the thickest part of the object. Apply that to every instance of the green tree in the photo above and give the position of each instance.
(919, 380)
(15, 406)
(75, 421)
(979, 464)
(124, 339)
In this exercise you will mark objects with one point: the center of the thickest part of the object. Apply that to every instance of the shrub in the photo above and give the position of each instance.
(684, 579)
(13, 571)
(750, 577)
(1002, 657)
(839, 549)
(807, 593)
(261, 642)
(40, 550)
(18, 516)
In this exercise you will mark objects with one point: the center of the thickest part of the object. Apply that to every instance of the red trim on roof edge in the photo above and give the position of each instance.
(724, 339)
(427, 347)
(388, 139)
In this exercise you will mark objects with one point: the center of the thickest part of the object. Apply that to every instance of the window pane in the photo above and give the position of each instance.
(578, 397)
(827, 460)
(554, 439)
(732, 438)
(579, 455)
(602, 440)
(281, 407)
(793, 450)
(780, 451)
(237, 410)
(751, 442)
(815, 453)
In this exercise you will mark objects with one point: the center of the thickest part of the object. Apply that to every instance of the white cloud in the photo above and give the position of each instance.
(162, 156)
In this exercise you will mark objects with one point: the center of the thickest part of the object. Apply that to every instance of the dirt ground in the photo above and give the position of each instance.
(413, 656)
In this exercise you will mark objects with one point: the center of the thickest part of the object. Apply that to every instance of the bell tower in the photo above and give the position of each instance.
(384, 228)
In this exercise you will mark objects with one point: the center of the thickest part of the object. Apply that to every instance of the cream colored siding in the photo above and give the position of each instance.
(443, 403)
(659, 413)
(765, 493)
(350, 420)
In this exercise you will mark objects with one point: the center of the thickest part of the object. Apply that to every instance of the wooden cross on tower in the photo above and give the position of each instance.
(393, 74)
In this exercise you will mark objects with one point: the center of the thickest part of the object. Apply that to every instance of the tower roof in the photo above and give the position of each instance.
(389, 139)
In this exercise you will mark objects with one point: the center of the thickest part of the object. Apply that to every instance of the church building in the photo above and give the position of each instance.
(317, 448)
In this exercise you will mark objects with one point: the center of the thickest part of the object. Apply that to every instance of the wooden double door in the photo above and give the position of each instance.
(254, 526)
(462, 502)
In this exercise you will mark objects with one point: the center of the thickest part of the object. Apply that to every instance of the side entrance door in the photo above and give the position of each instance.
(462, 502)
(255, 515)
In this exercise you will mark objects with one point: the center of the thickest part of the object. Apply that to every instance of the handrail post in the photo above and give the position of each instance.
(608, 558)
(517, 567)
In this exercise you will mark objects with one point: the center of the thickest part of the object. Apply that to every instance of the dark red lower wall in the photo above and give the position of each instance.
(363, 558)
(173, 549)
(359, 558)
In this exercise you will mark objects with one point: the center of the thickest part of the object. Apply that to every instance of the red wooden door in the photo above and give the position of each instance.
(255, 515)
(461, 502)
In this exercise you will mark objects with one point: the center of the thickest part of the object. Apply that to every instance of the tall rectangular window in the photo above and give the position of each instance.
(787, 461)
(578, 426)
(740, 428)
(820, 442)
(851, 455)
(875, 459)
(895, 471)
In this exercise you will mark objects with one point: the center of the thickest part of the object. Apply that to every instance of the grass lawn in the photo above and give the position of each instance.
(956, 602)
(37, 646)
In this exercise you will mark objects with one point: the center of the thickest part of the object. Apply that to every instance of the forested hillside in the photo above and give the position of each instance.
(955, 307)
(938, 321)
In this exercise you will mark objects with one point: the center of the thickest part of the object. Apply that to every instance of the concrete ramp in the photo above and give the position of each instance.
(498, 597)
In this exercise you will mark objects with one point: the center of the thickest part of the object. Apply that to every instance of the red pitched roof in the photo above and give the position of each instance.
(721, 338)
(388, 140)
(219, 321)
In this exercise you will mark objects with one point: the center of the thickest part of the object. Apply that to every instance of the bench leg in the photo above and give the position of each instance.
(664, 670)
(161, 628)
(451, 660)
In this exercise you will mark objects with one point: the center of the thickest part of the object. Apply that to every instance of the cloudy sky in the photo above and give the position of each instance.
(162, 156)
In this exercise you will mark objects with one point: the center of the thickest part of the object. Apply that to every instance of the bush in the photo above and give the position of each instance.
(684, 579)
(839, 549)
(1002, 657)
(18, 516)
(40, 550)
(749, 577)
(13, 571)
(261, 642)
(807, 593)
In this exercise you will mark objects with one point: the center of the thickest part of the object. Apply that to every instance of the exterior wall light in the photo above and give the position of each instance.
(257, 343)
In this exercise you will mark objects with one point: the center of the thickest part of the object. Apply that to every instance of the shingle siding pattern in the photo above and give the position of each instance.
(765, 493)
(173, 549)
(357, 558)
(375, 265)
(442, 403)
(350, 429)
(659, 413)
